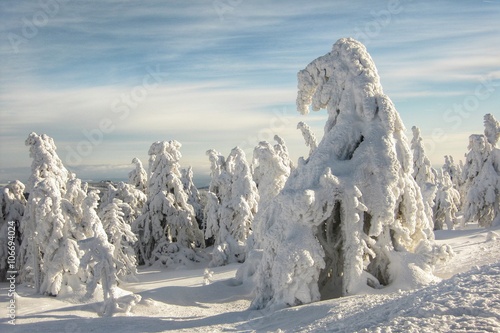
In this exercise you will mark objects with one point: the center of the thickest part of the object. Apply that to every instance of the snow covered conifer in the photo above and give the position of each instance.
(231, 205)
(193, 194)
(482, 182)
(138, 177)
(423, 172)
(454, 171)
(491, 129)
(49, 254)
(168, 232)
(121, 237)
(447, 203)
(351, 217)
(12, 203)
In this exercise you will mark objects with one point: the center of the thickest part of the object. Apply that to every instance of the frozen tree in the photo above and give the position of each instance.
(309, 136)
(447, 202)
(351, 217)
(423, 172)
(12, 203)
(168, 232)
(231, 206)
(73, 213)
(193, 194)
(98, 258)
(482, 182)
(138, 177)
(121, 237)
(132, 200)
(49, 254)
(454, 171)
(271, 171)
(491, 129)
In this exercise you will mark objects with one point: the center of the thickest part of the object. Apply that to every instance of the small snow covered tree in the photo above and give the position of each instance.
(132, 200)
(168, 232)
(271, 171)
(423, 172)
(121, 237)
(309, 136)
(12, 203)
(351, 217)
(98, 257)
(193, 194)
(491, 129)
(138, 177)
(231, 205)
(481, 175)
(455, 172)
(49, 254)
(447, 203)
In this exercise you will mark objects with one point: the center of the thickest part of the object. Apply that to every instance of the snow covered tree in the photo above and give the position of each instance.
(447, 203)
(491, 129)
(481, 176)
(309, 136)
(121, 237)
(193, 194)
(12, 203)
(231, 205)
(49, 254)
(132, 200)
(454, 171)
(423, 172)
(98, 258)
(168, 232)
(351, 217)
(138, 177)
(271, 171)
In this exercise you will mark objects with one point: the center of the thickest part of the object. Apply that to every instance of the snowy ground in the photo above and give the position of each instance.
(467, 300)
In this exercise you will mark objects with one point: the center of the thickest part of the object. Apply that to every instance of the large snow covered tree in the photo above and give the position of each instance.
(351, 217)
(481, 176)
(49, 254)
(423, 172)
(447, 202)
(231, 205)
(168, 232)
(12, 203)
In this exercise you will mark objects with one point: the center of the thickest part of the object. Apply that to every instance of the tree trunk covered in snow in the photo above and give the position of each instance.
(351, 217)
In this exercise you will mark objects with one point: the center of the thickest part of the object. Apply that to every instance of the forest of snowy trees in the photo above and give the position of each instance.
(356, 214)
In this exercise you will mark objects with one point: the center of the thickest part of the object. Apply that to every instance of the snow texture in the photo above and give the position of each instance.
(351, 218)
(168, 231)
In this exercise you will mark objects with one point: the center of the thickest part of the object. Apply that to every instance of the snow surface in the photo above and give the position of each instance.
(181, 301)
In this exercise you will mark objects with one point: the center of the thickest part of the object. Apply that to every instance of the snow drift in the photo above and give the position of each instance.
(350, 217)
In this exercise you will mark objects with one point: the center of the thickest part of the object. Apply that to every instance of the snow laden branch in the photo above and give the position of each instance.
(309, 136)
(351, 218)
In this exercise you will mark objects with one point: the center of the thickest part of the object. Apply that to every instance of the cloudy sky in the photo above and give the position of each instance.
(105, 79)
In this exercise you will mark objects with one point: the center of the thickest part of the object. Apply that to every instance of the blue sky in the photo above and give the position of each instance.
(105, 79)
